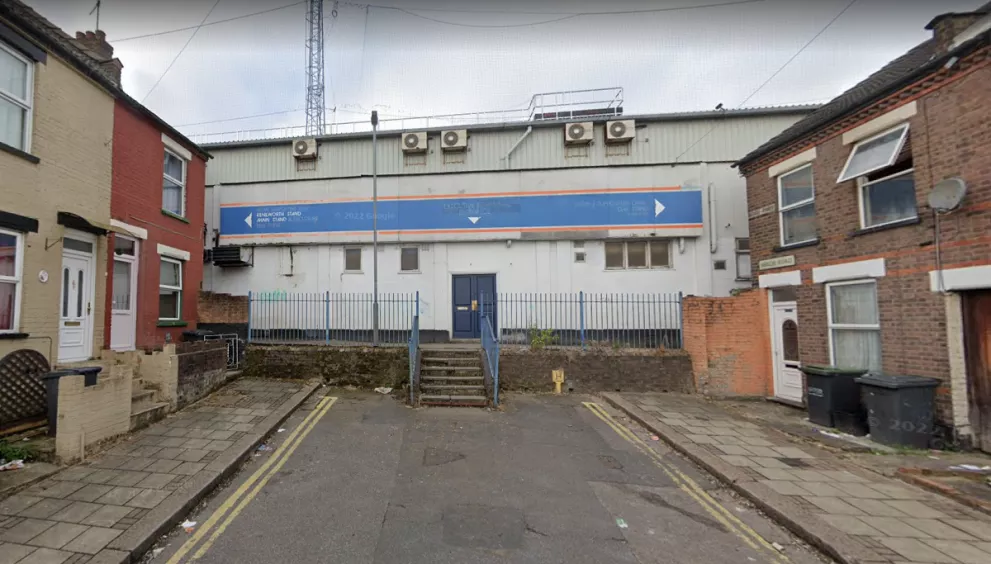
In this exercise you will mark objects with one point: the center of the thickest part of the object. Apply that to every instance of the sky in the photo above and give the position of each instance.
(442, 57)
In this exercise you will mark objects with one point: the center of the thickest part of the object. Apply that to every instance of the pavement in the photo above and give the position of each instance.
(850, 513)
(360, 478)
(114, 506)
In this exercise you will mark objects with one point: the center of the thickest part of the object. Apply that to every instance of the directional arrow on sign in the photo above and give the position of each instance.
(248, 220)
(658, 208)
(474, 220)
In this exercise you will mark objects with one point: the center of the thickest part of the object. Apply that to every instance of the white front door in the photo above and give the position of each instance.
(784, 338)
(76, 300)
(123, 303)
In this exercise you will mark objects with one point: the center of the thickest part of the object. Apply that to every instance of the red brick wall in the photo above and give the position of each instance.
(729, 342)
(222, 308)
(136, 199)
(950, 137)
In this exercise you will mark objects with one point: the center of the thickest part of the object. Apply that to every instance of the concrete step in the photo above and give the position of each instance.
(141, 399)
(145, 416)
(450, 378)
(455, 369)
(452, 388)
(437, 399)
(449, 360)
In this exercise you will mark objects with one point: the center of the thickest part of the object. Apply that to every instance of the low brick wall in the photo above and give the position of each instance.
(364, 367)
(90, 414)
(730, 344)
(594, 370)
(202, 368)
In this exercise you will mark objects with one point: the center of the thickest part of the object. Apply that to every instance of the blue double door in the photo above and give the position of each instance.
(471, 294)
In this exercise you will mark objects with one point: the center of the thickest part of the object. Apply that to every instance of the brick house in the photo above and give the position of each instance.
(156, 209)
(861, 270)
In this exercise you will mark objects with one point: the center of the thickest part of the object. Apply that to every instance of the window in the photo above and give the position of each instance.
(579, 251)
(352, 260)
(854, 325)
(11, 265)
(796, 206)
(16, 84)
(638, 254)
(170, 290)
(874, 153)
(409, 259)
(174, 185)
(743, 259)
(888, 199)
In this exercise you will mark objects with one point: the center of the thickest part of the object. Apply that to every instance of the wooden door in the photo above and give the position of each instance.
(977, 343)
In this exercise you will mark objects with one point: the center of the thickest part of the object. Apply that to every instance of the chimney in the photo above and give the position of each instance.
(947, 27)
(95, 45)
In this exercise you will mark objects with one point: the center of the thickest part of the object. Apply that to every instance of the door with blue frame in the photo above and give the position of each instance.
(469, 291)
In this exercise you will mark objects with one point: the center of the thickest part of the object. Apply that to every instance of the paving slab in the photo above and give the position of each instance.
(851, 514)
(110, 509)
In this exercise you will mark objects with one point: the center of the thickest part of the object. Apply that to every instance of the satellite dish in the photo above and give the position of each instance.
(947, 195)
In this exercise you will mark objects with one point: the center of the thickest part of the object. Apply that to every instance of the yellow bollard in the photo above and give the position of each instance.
(557, 376)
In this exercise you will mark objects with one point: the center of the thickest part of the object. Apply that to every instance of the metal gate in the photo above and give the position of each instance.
(22, 394)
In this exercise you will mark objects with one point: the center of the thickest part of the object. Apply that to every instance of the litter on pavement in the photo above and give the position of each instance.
(385, 391)
(264, 448)
(655, 438)
(621, 523)
(188, 526)
(12, 465)
(281, 430)
(970, 468)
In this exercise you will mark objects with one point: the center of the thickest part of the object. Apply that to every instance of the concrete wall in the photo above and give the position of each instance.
(364, 367)
(88, 415)
(596, 370)
(729, 342)
(72, 136)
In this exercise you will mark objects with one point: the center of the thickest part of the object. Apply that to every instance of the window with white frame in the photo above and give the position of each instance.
(16, 85)
(409, 259)
(170, 290)
(743, 259)
(874, 153)
(638, 254)
(352, 260)
(796, 206)
(11, 265)
(854, 325)
(886, 194)
(174, 184)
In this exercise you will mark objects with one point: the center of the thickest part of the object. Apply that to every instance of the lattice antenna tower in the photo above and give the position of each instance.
(315, 113)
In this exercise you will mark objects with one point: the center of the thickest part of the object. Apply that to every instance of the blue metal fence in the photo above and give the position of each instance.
(329, 317)
(490, 346)
(589, 319)
(414, 357)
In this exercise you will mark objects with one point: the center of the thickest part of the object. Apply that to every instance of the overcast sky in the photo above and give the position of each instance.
(401, 64)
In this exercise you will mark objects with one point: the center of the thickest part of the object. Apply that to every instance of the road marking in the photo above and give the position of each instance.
(743, 531)
(261, 484)
(304, 427)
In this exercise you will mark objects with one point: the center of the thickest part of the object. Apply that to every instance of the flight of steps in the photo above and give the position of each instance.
(452, 377)
(144, 409)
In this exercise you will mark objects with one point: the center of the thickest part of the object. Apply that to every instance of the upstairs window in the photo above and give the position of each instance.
(886, 194)
(16, 82)
(796, 206)
(174, 185)
(874, 153)
(743, 259)
(170, 290)
(638, 254)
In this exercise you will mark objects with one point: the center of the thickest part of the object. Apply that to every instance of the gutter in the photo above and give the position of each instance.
(964, 49)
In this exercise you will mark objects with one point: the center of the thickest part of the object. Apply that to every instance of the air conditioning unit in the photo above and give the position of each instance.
(620, 131)
(414, 142)
(304, 148)
(454, 140)
(578, 133)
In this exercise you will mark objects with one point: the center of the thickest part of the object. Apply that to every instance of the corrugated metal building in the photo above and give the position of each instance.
(516, 209)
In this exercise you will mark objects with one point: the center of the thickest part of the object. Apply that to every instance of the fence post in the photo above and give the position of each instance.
(581, 316)
(249, 316)
(326, 324)
(681, 322)
(417, 312)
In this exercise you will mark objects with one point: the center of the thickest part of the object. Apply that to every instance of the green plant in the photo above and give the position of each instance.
(10, 452)
(540, 338)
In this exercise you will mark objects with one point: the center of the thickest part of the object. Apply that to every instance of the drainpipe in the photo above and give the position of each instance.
(509, 155)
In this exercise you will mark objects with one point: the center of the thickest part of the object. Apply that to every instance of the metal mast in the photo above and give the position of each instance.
(315, 114)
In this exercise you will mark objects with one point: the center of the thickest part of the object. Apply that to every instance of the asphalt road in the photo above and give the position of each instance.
(550, 479)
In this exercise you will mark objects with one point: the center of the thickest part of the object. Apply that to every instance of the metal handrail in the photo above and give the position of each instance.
(490, 346)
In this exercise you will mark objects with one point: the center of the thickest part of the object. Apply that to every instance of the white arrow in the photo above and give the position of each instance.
(248, 220)
(658, 208)
(474, 220)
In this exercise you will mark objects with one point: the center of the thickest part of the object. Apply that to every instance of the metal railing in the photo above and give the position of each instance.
(234, 349)
(569, 104)
(490, 346)
(589, 319)
(414, 357)
(329, 317)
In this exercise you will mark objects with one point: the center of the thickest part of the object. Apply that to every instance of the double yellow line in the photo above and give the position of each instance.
(732, 523)
(230, 509)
